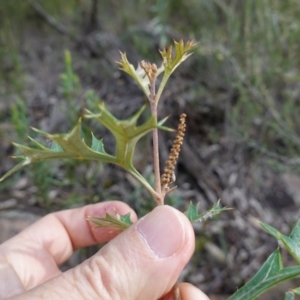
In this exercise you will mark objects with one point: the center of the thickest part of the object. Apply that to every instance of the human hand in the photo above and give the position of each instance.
(142, 262)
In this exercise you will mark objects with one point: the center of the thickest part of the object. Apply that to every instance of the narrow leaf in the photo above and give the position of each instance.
(161, 127)
(25, 162)
(291, 242)
(271, 230)
(270, 274)
(36, 143)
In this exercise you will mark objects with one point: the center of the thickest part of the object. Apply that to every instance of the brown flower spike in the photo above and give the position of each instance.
(168, 176)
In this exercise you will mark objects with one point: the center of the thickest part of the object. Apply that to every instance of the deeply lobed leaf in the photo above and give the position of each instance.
(172, 61)
(72, 145)
(193, 215)
(126, 132)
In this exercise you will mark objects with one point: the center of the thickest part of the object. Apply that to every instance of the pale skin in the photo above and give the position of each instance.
(143, 262)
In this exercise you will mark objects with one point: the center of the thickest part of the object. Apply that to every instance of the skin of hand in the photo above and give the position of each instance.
(142, 263)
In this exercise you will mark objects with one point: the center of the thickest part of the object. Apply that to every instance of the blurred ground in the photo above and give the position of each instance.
(215, 162)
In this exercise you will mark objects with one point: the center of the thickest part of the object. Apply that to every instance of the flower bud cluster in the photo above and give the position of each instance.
(150, 70)
(168, 176)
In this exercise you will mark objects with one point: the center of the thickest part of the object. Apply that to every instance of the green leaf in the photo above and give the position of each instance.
(70, 146)
(138, 74)
(120, 222)
(56, 147)
(289, 296)
(126, 132)
(291, 242)
(270, 274)
(126, 219)
(271, 230)
(97, 145)
(296, 291)
(193, 214)
(172, 61)
(161, 122)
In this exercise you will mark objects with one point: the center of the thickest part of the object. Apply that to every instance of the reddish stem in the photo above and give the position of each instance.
(153, 104)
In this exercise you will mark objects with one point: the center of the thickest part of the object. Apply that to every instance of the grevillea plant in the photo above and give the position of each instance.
(127, 133)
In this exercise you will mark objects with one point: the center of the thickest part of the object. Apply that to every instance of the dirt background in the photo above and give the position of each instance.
(214, 163)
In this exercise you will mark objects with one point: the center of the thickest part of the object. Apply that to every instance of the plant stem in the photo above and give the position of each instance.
(152, 98)
(162, 86)
(141, 179)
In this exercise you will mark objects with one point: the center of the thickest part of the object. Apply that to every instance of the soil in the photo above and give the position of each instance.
(229, 248)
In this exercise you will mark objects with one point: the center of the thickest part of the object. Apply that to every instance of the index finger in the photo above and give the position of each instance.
(62, 232)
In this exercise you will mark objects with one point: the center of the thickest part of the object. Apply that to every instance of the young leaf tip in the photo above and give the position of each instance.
(172, 61)
(194, 216)
(137, 74)
(119, 222)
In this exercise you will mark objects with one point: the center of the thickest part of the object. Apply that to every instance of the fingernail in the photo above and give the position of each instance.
(162, 231)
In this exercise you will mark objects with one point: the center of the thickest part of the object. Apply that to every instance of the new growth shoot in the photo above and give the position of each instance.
(146, 75)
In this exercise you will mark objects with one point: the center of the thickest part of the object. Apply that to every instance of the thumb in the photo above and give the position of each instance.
(144, 262)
